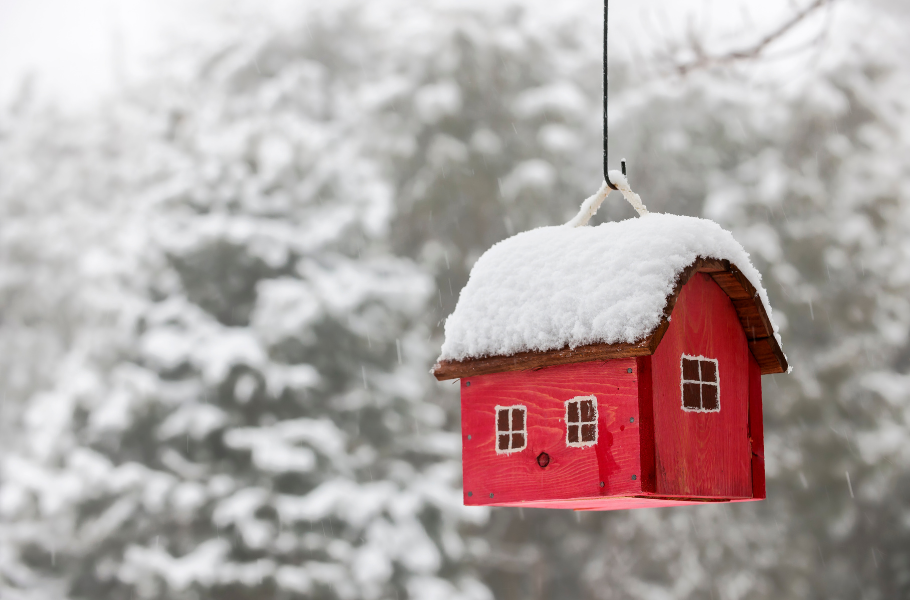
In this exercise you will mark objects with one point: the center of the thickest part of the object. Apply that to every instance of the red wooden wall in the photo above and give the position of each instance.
(704, 453)
(650, 452)
(572, 473)
(756, 429)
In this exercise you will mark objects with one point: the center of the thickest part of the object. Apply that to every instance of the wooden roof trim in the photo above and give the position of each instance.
(452, 369)
(749, 308)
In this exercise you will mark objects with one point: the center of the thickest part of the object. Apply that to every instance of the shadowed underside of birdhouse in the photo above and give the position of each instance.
(672, 417)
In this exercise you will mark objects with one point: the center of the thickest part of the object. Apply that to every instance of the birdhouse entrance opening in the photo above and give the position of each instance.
(699, 384)
(511, 429)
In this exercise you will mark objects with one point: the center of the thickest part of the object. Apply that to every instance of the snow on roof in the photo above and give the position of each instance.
(560, 286)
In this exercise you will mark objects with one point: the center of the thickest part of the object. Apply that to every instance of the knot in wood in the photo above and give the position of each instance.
(543, 459)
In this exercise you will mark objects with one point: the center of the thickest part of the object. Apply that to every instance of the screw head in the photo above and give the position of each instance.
(467, 383)
(601, 484)
(628, 370)
(491, 494)
(470, 493)
(631, 419)
(634, 477)
(469, 436)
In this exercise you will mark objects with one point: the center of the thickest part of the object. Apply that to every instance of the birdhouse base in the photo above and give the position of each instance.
(619, 502)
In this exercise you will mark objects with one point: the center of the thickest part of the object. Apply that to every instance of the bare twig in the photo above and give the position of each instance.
(704, 60)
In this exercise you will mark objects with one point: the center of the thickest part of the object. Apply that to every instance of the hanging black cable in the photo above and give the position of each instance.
(606, 88)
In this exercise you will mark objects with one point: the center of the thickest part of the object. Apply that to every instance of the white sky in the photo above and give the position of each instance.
(70, 46)
(79, 50)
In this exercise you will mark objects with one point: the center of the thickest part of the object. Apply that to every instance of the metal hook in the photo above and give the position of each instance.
(606, 87)
(607, 178)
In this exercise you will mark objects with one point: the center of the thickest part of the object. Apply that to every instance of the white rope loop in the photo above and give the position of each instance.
(589, 207)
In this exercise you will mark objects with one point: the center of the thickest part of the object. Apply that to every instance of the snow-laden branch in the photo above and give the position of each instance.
(589, 207)
(704, 60)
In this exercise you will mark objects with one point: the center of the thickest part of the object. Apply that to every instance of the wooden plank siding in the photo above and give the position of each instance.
(492, 478)
(703, 453)
(756, 430)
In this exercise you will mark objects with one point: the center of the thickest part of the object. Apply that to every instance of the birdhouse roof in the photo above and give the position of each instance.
(563, 294)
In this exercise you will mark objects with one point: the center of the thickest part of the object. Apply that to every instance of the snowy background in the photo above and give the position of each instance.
(230, 233)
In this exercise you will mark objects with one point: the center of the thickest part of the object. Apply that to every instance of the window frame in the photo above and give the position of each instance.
(580, 443)
(510, 432)
(683, 381)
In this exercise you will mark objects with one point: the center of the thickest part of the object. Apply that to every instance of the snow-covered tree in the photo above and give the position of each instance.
(245, 411)
(251, 259)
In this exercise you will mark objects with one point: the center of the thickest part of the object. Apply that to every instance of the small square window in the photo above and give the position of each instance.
(511, 429)
(581, 421)
(699, 385)
(691, 395)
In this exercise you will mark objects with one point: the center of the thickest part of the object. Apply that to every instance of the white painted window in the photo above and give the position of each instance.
(581, 421)
(699, 386)
(511, 429)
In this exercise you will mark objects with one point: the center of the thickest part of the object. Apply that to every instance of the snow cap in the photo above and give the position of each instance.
(560, 286)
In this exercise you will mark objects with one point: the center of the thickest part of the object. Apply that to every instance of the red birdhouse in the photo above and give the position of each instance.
(613, 367)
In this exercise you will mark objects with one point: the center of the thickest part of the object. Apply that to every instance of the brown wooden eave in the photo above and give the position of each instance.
(749, 308)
